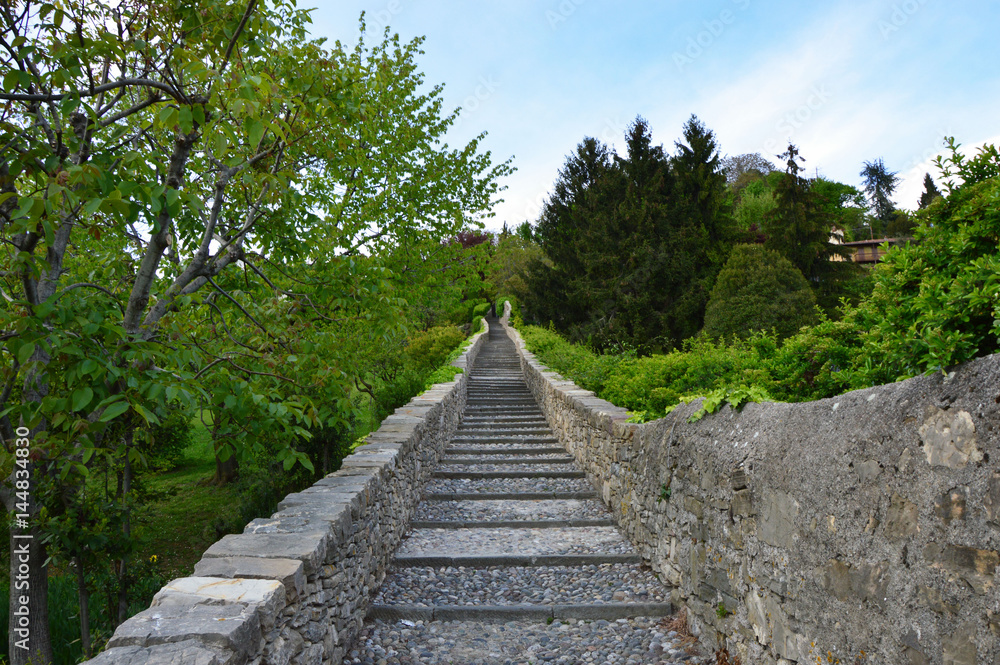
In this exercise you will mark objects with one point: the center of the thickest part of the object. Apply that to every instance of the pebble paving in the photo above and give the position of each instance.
(476, 511)
(502, 595)
(638, 641)
(483, 542)
(506, 485)
(511, 585)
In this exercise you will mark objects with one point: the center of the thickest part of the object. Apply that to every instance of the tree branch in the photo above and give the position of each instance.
(122, 83)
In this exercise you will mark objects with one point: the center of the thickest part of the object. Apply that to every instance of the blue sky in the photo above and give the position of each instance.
(845, 81)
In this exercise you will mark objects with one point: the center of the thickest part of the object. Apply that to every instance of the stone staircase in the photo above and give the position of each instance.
(512, 558)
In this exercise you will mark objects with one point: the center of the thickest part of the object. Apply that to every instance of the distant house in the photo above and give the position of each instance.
(871, 251)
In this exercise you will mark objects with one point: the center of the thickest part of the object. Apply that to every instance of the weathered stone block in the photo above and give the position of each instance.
(951, 506)
(865, 582)
(959, 648)
(868, 471)
(992, 499)
(309, 548)
(694, 506)
(286, 571)
(234, 627)
(950, 439)
(901, 518)
(187, 652)
(742, 503)
(779, 513)
(913, 651)
(931, 597)
(975, 566)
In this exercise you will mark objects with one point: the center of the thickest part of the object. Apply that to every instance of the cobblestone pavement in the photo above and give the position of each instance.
(512, 559)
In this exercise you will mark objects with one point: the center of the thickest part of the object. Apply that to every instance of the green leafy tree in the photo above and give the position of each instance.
(166, 165)
(759, 290)
(957, 170)
(737, 167)
(934, 302)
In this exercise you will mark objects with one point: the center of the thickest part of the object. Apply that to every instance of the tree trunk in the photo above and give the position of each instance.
(81, 581)
(123, 584)
(225, 470)
(28, 627)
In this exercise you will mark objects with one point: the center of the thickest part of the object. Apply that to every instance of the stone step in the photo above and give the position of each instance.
(510, 473)
(482, 510)
(527, 612)
(598, 583)
(509, 560)
(494, 542)
(505, 419)
(511, 524)
(467, 431)
(509, 496)
(503, 448)
(508, 459)
(507, 485)
(499, 642)
(518, 440)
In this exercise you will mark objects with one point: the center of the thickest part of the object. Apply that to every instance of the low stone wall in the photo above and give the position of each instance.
(293, 589)
(862, 528)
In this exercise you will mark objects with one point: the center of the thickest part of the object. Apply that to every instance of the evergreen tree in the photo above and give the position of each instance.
(799, 228)
(880, 183)
(930, 192)
(758, 289)
(634, 242)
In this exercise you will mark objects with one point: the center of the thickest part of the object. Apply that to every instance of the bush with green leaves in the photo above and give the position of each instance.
(936, 303)
(480, 311)
(759, 290)
(516, 319)
(428, 349)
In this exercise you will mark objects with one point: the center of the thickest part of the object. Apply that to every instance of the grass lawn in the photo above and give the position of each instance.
(179, 525)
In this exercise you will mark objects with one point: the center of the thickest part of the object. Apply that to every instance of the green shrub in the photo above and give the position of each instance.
(168, 440)
(515, 310)
(477, 325)
(428, 349)
(935, 303)
(480, 310)
(759, 290)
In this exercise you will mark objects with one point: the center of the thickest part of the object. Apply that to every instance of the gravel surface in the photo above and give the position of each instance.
(499, 448)
(496, 585)
(488, 485)
(472, 511)
(568, 465)
(467, 430)
(491, 542)
(561, 457)
(624, 642)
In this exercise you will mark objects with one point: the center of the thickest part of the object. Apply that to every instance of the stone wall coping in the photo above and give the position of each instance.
(245, 582)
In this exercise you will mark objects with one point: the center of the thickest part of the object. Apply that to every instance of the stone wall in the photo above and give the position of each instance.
(293, 589)
(862, 528)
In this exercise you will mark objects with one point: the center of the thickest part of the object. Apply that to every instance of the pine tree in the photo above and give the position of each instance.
(880, 183)
(930, 192)
(799, 229)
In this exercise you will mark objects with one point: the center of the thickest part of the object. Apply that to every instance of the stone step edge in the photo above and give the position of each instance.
(483, 475)
(484, 440)
(511, 560)
(506, 496)
(596, 611)
(510, 459)
(511, 524)
(540, 450)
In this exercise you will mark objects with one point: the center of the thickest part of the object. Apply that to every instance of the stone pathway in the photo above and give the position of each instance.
(512, 558)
